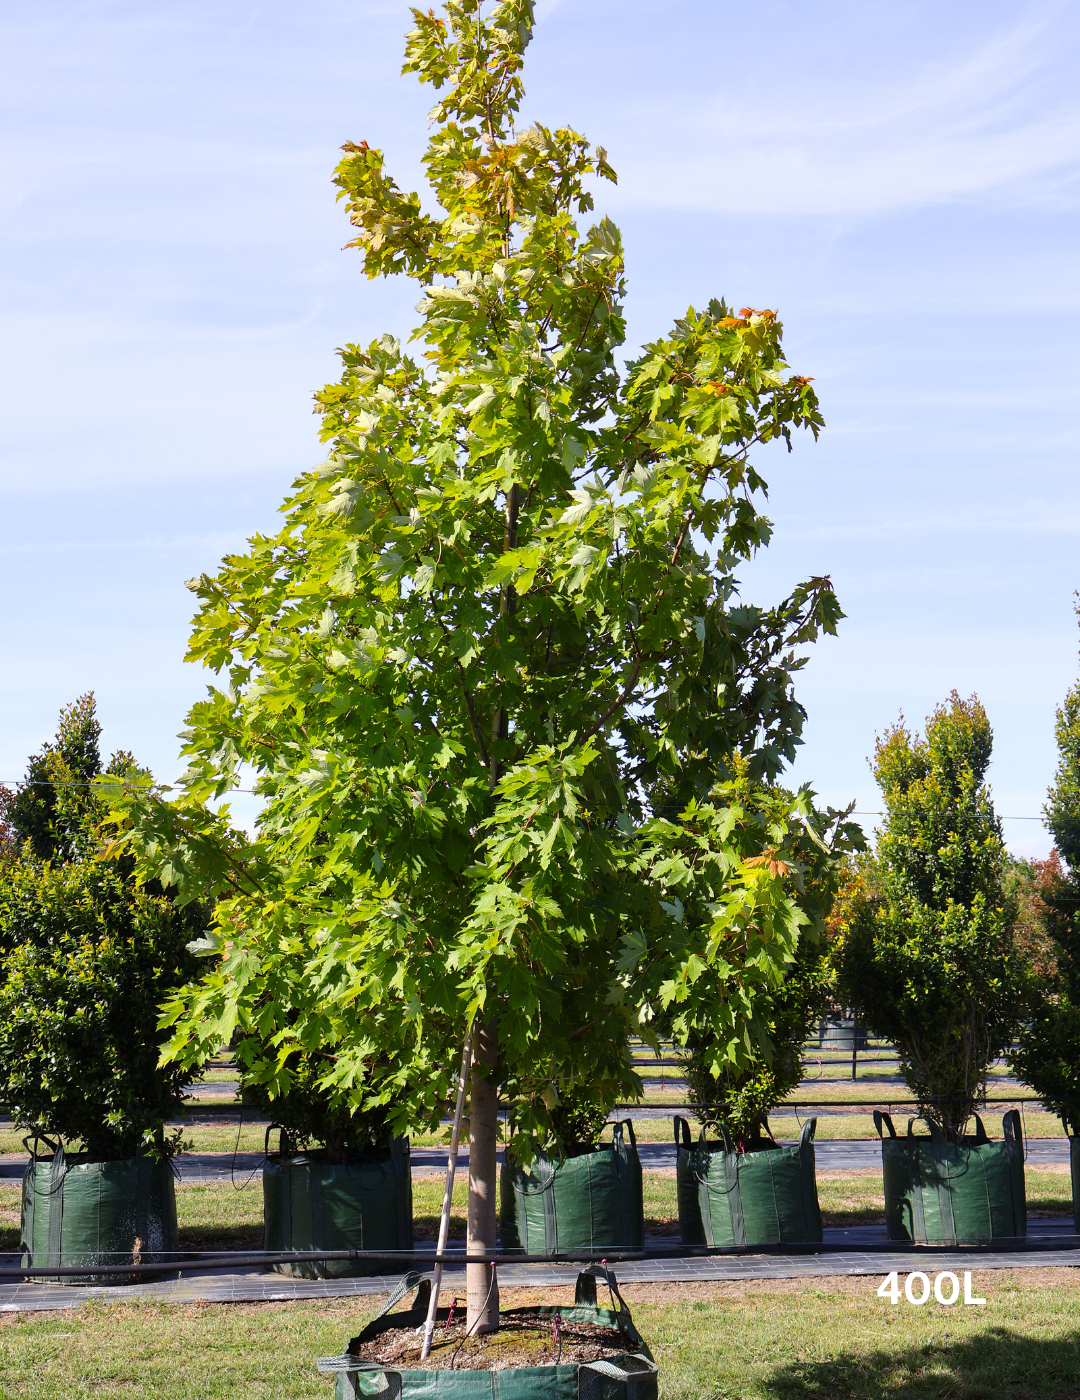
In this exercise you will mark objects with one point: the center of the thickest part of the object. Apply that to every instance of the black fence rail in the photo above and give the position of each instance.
(198, 1262)
(839, 1041)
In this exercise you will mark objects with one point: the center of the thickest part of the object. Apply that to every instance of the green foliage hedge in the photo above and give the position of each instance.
(926, 953)
(1048, 1053)
(86, 959)
(741, 1093)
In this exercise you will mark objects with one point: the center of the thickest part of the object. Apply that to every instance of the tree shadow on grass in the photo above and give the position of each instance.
(997, 1364)
(215, 1238)
(843, 1219)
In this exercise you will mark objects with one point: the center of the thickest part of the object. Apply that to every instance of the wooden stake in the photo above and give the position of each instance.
(444, 1223)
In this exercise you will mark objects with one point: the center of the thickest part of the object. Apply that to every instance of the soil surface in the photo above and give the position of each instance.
(524, 1340)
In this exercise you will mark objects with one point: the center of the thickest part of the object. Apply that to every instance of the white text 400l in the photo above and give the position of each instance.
(917, 1289)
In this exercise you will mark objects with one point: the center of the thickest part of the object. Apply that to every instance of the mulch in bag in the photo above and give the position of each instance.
(618, 1364)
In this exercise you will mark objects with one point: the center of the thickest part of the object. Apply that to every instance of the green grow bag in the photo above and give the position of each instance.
(937, 1192)
(728, 1198)
(77, 1213)
(1074, 1172)
(577, 1206)
(311, 1204)
(630, 1377)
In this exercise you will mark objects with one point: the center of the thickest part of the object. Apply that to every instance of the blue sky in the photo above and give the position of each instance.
(900, 180)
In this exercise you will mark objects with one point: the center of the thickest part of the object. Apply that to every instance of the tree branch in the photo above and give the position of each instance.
(474, 723)
(628, 690)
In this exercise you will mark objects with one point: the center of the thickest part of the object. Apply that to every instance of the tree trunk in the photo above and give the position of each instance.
(481, 1286)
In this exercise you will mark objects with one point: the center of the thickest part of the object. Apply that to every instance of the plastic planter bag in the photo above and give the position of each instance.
(577, 1206)
(938, 1192)
(1074, 1172)
(311, 1204)
(729, 1198)
(629, 1377)
(77, 1213)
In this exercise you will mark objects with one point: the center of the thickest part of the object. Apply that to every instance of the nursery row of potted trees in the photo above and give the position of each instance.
(518, 740)
(931, 919)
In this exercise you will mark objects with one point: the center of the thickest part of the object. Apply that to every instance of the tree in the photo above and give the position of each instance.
(1048, 1050)
(1027, 882)
(86, 958)
(50, 806)
(491, 669)
(926, 951)
(314, 1118)
(741, 1096)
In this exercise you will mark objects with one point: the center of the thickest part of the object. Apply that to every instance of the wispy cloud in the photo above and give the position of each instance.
(1000, 110)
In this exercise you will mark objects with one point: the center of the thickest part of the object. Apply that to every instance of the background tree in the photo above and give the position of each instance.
(1027, 881)
(8, 842)
(50, 808)
(314, 1118)
(86, 959)
(741, 1095)
(926, 952)
(490, 670)
(1048, 1053)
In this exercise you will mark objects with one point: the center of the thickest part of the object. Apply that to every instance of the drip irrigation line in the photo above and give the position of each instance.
(844, 1103)
(205, 1262)
(1002, 816)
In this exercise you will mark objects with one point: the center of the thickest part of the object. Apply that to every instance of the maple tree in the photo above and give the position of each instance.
(493, 671)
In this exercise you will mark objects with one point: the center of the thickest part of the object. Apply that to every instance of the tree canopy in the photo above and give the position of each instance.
(86, 959)
(491, 669)
(926, 952)
(49, 808)
(1048, 1050)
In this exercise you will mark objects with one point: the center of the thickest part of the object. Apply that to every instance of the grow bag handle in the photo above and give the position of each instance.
(936, 1135)
(617, 1133)
(374, 1378)
(55, 1189)
(1012, 1129)
(881, 1117)
(35, 1138)
(284, 1141)
(981, 1135)
(809, 1128)
(585, 1293)
(625, 1370)
(683, 1127)
(412, 1280)
(369, 1377)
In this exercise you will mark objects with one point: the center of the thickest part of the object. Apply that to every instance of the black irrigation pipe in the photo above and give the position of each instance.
(229, 1260)
(834, 1103)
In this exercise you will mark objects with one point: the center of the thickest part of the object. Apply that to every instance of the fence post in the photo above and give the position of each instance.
(854, 1047)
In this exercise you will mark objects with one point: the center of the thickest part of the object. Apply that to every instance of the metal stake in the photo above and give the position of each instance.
(444, 1223)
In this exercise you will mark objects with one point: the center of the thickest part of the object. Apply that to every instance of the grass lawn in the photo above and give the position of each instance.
(823, 1339)
(816, 1339)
